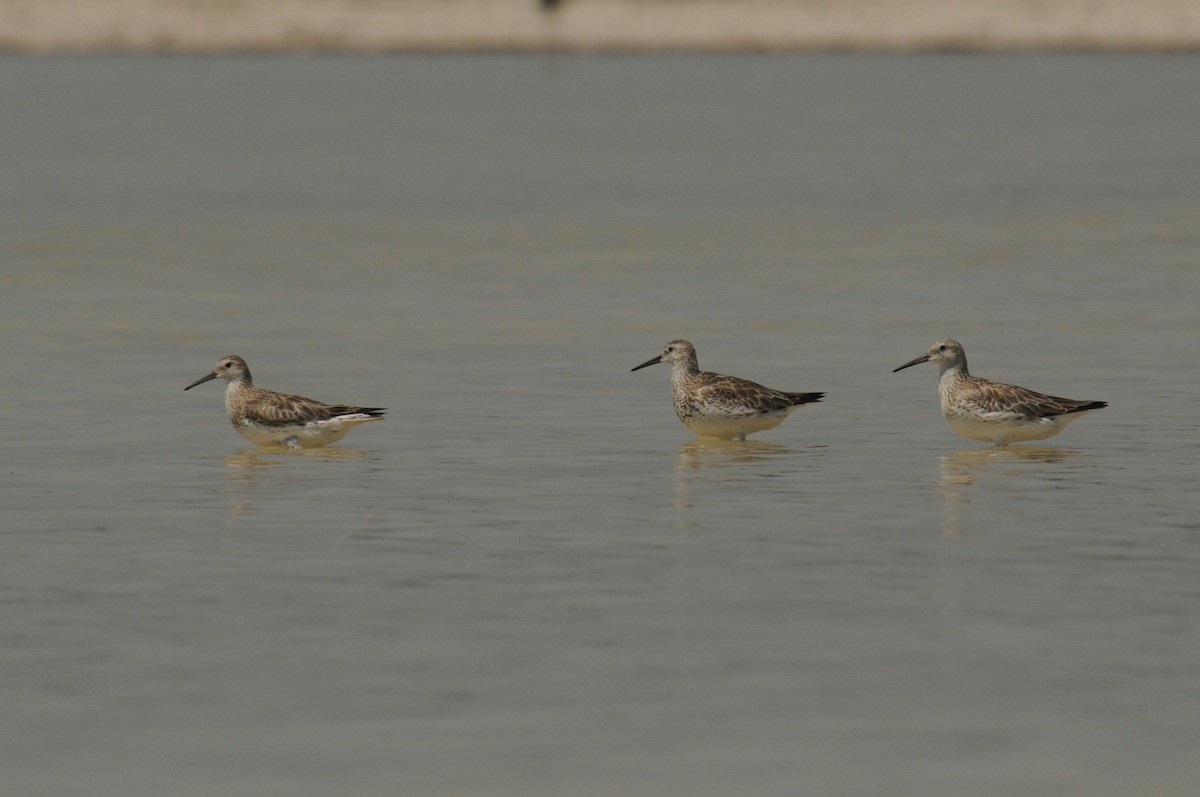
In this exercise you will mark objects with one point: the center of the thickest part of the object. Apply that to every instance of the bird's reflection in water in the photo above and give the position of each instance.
(261, 475)
(247, 466)
(704, 453)
(252, 474)
(961, 471)
(244, 462)
(276, 456)
(703, 468)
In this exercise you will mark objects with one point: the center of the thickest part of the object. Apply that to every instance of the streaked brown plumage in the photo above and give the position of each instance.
(725, 407)
(994, 411)
(265, 417)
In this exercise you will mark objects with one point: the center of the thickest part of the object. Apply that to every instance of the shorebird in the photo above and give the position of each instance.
(267, 418)
(724, 407)
(993, 411)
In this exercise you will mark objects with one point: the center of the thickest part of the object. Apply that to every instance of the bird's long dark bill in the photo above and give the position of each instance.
(648, 363)
(924, 358)
(202, 380)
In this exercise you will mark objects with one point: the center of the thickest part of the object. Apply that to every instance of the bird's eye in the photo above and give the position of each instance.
(670, 348)
(942, 347)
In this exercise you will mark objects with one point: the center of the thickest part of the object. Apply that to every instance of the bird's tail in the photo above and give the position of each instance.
(805, 398)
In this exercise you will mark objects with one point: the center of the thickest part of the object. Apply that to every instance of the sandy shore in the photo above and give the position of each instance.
(192, 26)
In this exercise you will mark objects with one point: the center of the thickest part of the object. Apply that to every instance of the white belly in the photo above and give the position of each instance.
(1010, 431)
(310, 435)
(724, 427)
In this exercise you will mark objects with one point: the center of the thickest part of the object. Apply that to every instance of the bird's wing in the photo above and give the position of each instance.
(741, 396)
(1014, 402)
(280, 409)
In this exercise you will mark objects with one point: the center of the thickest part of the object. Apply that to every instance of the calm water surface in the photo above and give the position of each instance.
(531, 579)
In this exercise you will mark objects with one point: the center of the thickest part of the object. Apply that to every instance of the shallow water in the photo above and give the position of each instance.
(531, 579)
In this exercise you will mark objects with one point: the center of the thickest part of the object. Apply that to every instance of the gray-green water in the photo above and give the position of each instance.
(531, 580)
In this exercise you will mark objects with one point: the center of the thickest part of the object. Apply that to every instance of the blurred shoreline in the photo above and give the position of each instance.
(205, 26)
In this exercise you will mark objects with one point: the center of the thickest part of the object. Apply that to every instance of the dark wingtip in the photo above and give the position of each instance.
(1083, 407)
(805, 398)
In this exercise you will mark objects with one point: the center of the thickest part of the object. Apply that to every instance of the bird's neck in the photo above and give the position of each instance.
(682, 372)
(235, 387)
(953, 373)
